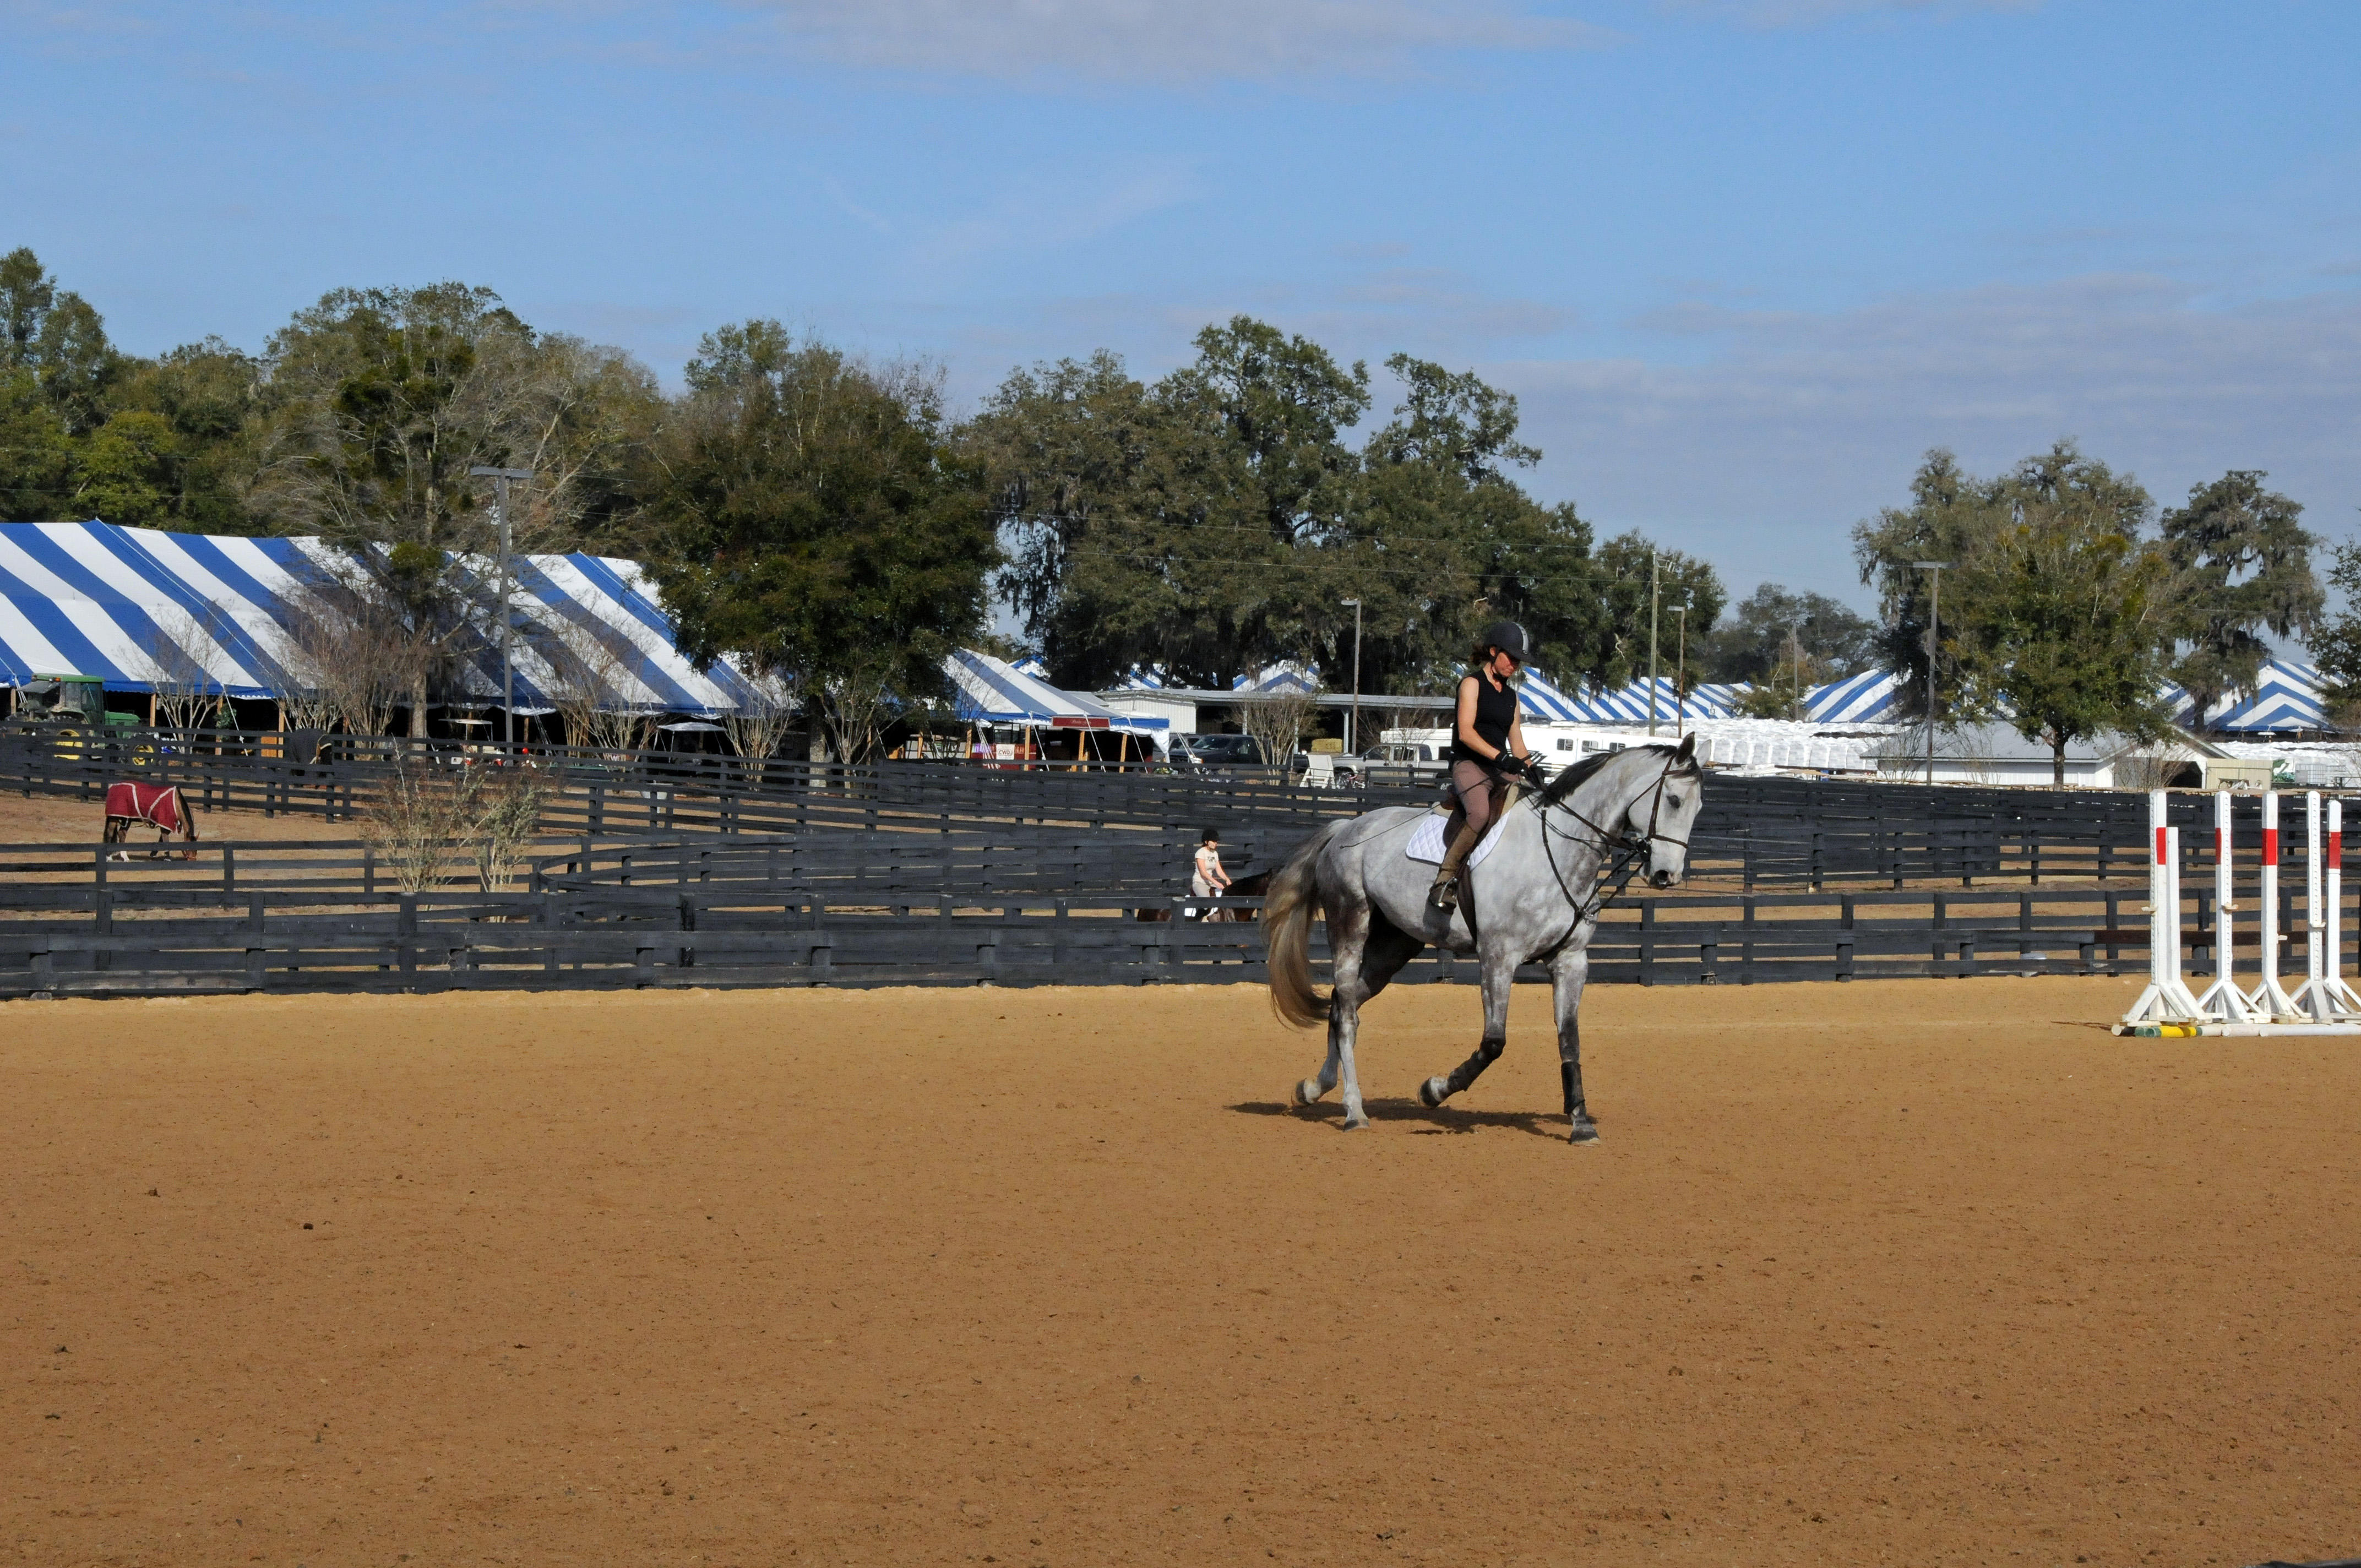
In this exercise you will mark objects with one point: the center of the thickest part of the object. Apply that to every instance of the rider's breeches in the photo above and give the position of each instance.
(1473, 785)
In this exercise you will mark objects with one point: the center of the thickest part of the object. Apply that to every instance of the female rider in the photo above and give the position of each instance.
(1487, 746)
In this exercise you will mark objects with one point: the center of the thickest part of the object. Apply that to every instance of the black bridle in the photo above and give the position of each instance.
(1617, 843)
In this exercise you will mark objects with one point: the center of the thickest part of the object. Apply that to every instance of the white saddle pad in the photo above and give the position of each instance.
(1427, 842)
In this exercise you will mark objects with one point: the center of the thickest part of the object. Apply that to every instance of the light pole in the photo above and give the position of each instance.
(1652, 644)
(1796, 657)
(1681, 677)
(1934, 642)
(1353, 720)
(499, 478)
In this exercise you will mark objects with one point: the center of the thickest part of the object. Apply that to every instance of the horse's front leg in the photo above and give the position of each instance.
(1500, 974)
(1568, 971)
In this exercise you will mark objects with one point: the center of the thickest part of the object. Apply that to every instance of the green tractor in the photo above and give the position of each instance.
(70, 700)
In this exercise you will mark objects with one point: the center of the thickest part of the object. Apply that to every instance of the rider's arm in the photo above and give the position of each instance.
(1467, 736)
(1517, 736)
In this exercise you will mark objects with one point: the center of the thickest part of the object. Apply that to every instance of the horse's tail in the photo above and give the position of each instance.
(1287, 921)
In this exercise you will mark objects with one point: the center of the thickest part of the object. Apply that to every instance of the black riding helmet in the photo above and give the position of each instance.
(1509, 638)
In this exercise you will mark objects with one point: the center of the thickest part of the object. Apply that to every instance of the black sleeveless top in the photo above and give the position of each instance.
(1495, 712)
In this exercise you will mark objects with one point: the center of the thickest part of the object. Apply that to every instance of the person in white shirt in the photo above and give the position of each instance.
(1209, 879)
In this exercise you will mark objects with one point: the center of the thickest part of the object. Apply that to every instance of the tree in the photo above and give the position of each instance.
(2243, 565)
(1949, 513)
(206, 393)
(125, 471)
(379, 402)
(56, 335)
(1769, 627)
(1213, 523)
(817, 524)
(2336, 639)
(1067, 449)
(1439, 540)
(2057, 615)
(37, 456)
(1629, 562)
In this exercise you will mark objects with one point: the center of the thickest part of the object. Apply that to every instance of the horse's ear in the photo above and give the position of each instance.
(1688, 753)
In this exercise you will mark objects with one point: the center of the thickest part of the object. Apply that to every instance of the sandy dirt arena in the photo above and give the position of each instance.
(61, 820)
(1906, 1272)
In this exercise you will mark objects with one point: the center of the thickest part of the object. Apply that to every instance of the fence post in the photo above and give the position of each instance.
(229, 867)
(255, 973)
(102, 924)
(405, 938)
(1936, 951)
(1846, 937)
(1648, 944)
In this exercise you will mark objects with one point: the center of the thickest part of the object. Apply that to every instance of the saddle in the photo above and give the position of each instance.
(1462, 838)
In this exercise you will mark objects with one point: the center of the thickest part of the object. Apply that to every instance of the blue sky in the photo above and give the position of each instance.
(1742, 261)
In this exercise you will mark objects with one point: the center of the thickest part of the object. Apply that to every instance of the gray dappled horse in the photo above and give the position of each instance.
(1536, 897)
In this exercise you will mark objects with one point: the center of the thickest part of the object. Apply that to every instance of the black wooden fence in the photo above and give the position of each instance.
(1756, 832)
(712, 870)
(698, 913)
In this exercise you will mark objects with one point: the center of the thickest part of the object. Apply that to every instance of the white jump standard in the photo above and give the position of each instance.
(2322, 1004)
(2166, 999)
(2222, 1000)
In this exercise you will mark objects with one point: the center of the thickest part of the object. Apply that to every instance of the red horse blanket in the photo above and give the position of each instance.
(157, 804)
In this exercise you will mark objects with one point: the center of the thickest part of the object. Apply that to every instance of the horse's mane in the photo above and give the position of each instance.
(1574, 776)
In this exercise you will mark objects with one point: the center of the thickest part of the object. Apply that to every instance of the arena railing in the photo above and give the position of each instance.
(1756, 831)
(114, 938)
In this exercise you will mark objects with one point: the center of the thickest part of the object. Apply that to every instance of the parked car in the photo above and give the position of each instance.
(1394, 762)
(1217, 752)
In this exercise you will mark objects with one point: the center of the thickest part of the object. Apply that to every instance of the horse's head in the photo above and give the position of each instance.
(1661, 814)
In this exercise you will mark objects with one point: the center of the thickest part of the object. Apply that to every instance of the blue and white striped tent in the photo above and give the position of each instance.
(994, 691)
(1287, 678)
(1865, 698)
(1542, 698)
(2286, 696)
(137, 609)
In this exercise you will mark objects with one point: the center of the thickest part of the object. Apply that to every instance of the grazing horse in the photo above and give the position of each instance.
(158, 806)
(1536, 897)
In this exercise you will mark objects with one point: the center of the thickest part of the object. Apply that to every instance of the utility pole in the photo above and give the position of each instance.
(1796, 657)
(1353, 720)
(1933, 644)
(1652, 644)
(1681, 677)
(499, 478)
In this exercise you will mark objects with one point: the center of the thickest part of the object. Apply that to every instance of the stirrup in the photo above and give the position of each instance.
(1444, 895)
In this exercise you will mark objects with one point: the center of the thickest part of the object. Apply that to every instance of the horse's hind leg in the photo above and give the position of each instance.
(1568, 971)
(1500, 973)
(1349, 931)
(1367, 957)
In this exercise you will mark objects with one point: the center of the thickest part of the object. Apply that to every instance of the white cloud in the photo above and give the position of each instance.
(1804, 13)
(1160, 40)
(1760, 436)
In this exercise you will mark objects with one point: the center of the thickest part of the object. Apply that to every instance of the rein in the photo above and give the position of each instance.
(1624, 846)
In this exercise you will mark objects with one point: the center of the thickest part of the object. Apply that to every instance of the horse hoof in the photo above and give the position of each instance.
(1308, 1091)
(1433, 1092)
(1585, 1131)
(1354, 1123)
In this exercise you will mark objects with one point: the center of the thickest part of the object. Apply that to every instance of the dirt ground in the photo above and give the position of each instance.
(1907, 1272)
(58, 819)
